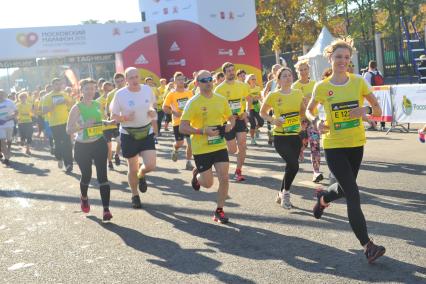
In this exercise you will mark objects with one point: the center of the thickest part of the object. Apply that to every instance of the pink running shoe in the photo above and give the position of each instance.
(84, 204)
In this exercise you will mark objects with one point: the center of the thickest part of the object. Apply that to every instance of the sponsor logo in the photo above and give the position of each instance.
(407, 106)
(174, 62)
(174, 47)
(241, 51)
(330, 93)
(27, 40)
(116, 32)
(141, 60)
(228, 52)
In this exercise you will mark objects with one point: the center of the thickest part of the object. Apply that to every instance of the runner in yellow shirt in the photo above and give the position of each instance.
(25, 122)
(57, 105)
(150, 82)
(203, 118)
(289, 110)
(174, 103)
(310, 133)
(256, 121)
(237, 94)
(271, 86)
(110, 131)
(342, 95)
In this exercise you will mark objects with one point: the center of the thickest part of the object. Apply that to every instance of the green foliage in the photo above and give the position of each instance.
(289, 24)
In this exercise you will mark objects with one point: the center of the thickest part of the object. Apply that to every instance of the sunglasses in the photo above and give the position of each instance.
(206, 80)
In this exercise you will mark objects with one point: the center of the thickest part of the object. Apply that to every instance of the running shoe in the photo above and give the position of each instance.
(60, 164)
(174, 155)
(155, 140)
(143, 186)
(317, 177)
(84, 204)
(117, 160)
(28, 152)
(6, 162)
(318, 208)
(332, 179)
(68, 169)
(136, 202)
(421, 136)
(253, 141)
(189, 166)
(194, 182)
(301, 157)
(110, 165)
(285, 201)
(107, 215)
(373, 252)
(219, 216)
(279, 197)
(239, 176)
(257, 133)
(269, 137)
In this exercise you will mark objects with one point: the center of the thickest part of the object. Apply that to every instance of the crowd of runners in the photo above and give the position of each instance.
(209, 117)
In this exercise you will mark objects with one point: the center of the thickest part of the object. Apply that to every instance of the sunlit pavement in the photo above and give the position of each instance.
(44, 236)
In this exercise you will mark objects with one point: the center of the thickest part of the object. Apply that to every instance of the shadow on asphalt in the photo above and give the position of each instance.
(29, 169)
(329, 221)
(172, 255)
(384, 167)
(260, 244)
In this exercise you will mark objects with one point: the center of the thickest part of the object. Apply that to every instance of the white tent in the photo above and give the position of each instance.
(316, 59)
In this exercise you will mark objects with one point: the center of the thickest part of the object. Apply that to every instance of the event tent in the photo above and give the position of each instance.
(316, 59)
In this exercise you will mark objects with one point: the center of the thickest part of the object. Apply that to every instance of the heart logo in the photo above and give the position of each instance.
(27, 40)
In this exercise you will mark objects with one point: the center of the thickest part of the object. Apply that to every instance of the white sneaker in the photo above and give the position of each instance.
(60, 164)
(253, 142)
(285, 201)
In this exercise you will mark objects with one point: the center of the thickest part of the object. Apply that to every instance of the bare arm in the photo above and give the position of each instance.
(73, 119)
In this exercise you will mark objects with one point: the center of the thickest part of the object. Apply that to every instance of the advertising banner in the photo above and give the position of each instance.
(196, 35)
(383, 96)
(409, 103)
(136, 42)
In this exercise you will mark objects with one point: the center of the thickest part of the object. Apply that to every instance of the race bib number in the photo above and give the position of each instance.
(58, 100)
(235, 106)
(214, 140)
(182, 103)
(256, 106)
(291, 122)
(111, 126)
(340, 115)
(94, 131)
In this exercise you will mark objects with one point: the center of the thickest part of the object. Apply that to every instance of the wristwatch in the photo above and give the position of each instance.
(369, 110)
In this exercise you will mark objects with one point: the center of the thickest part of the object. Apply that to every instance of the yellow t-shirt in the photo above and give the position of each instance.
(305, 88)
(110, 97)
(204, 112)
(37, 107)
(25, 112)
(255, 92)
(60, 103)
(286, 106)
(236, 95)
(338, 100)
(159, 96)
(177, 101)
(191, 85)
(102, 100)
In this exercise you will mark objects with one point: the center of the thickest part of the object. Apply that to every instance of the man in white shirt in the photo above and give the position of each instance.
(8, 112)
(134, 108)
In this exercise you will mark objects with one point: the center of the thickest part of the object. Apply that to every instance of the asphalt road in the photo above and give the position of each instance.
(45, 238)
